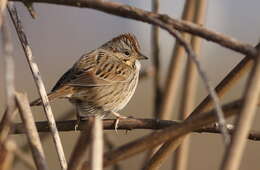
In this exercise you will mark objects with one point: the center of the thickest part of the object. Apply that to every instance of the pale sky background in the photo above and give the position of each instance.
(60, 35)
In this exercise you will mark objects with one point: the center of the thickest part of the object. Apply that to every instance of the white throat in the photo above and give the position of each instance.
(138, 65)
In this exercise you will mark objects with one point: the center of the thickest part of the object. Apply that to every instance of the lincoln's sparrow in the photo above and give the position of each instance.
(103, 80)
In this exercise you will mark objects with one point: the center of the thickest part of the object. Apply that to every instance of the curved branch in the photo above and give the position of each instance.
(130, 12)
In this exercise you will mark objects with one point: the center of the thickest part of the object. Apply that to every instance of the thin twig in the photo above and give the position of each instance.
(210, 89)
(189, 90)
(175, 131)
(45, 136)
(39, 83)
(171, 86)
(175, 68)
(131, 12)
(96, 152)
(31, 131)
(78, 154)
(155, 47)
(244, 120)
(228, 82)
(155, 51)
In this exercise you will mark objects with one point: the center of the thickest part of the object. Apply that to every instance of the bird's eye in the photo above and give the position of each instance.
(127, 53)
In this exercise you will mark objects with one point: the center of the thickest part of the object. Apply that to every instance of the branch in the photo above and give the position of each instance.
(174, 74)
(96, 150)
(39, 83)
(174, 131)
(78, 154)
(245, 119)
(168, 24)
(127, 124)
(189, 92)
(155, 47)
(126, 11)
(31, 131)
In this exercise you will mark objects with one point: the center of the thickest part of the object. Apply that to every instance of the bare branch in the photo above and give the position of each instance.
(77, 156)
(31, 131)
(155, 47)
(39, 84)
(205, 80)
(96, 152)
(244, 120)
(126, 11)
(189, 91)
(174, 73)
(174, 131)
(233, 76)
(128, 124)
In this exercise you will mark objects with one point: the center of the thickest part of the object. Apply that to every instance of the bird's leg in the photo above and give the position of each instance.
(79, 118)
(118, 117)
(77, 123)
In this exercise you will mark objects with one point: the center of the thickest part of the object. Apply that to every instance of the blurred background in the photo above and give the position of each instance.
(60, 35)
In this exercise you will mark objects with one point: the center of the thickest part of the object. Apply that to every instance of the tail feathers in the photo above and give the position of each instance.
(52, 96)
(36, 102)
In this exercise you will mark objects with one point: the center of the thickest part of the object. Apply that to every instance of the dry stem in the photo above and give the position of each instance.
(189, 90)
(155, 47)
(31, 131)
(78, 154)
(166, 134)
(96, 152)
(244, 120)
(131, 12)
(39, 83)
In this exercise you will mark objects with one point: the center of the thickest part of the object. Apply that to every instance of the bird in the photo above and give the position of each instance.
(103, 80)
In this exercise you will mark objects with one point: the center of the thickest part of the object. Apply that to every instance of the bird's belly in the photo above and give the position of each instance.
(106, 98)
(120, 97)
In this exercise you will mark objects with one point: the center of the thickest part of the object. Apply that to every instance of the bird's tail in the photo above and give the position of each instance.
(51, 96)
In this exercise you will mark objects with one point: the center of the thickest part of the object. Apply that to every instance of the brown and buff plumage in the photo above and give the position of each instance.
(103, 80)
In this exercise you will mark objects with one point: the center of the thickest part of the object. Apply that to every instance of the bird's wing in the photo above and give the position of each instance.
(95, 69)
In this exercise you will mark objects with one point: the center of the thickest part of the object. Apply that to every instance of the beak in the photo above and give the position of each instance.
(142, 57)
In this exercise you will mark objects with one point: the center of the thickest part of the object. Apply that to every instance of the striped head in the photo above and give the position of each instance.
(125, 47)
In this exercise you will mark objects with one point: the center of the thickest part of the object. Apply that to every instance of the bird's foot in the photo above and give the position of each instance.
(118, 117)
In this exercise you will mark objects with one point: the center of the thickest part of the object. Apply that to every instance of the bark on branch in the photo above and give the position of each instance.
(128, 124)
(130, 12)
